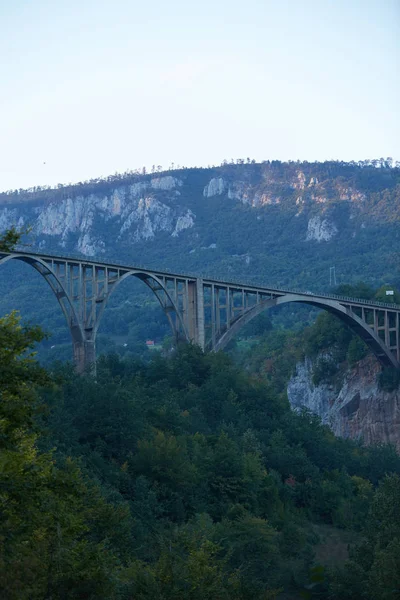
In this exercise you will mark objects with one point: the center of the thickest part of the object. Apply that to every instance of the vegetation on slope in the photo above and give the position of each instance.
(184, 478)
(180, 478)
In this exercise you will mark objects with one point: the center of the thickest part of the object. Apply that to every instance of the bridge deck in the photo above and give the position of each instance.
(208, 281)
(205, 310)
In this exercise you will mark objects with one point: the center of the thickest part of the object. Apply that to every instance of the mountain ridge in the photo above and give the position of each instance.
(290, 220)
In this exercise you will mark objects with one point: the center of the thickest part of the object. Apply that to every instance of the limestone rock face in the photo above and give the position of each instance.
(241, 191)
(132, 213)
(216, 187)
(358, 409)
(184, 222)
(238, 190)
(303, 394)
(320, 230)
(10, 217)
(165, 183)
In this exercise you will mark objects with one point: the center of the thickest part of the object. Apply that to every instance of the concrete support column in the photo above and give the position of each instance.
(217, 312)
(201, 337)
(398, 335)
(85, 356)
(228, 307)
(386, 322)
(213, 336)
(195, 312)
(376, 321)
(191, 323)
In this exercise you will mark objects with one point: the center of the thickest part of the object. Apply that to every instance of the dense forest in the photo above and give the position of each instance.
(182, 478)
(186, 476)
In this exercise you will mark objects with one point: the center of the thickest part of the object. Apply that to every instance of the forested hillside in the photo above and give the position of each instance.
(183, 478)
(285, 224)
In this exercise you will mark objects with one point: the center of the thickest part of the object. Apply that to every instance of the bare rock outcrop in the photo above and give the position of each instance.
(356, 409)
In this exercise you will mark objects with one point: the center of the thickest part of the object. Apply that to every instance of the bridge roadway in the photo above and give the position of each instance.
(206, 311)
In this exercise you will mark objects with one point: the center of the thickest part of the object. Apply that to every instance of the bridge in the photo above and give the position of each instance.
(207, 312)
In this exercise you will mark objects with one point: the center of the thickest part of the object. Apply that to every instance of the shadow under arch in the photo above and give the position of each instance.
(359, 326)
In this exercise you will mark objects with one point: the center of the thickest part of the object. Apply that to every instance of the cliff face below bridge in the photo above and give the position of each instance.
(356, 408)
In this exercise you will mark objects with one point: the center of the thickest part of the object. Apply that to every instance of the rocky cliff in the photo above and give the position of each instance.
(286, 221)
(141, 210)
(356, 408)
(76, 221)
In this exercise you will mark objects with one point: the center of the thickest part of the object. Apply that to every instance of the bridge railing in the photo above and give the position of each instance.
(350, 299)
(206, 276)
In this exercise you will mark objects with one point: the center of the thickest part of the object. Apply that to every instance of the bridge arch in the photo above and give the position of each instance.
(165, 299)
(192, 304)
(83, 334)
(57, 288)
(359, 326)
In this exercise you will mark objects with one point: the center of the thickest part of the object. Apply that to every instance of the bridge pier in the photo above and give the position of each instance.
(201, 335)
(85, 356)
(191, 316)
(195, 312)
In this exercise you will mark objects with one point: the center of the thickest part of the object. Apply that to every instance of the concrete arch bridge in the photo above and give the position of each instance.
(208, 312)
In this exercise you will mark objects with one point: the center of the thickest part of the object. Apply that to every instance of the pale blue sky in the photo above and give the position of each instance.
(93, 87)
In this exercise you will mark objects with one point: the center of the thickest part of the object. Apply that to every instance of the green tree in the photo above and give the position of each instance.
(11, 238)
(373, 572)
(357, 350)
(53, 524)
